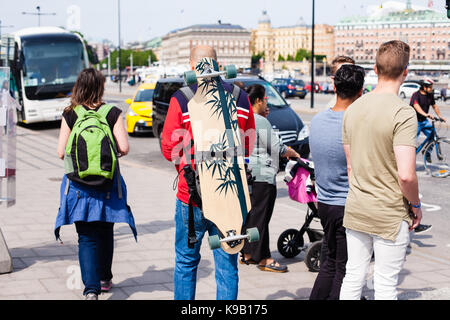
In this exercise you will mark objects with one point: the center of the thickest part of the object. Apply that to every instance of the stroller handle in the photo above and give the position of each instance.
(304, 165)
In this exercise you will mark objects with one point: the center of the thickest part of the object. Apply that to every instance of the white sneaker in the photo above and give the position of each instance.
(91, 296)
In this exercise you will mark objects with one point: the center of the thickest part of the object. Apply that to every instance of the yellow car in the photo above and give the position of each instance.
(139, 114)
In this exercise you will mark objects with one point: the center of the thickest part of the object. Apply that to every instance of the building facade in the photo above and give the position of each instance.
(426, 31)
(284, 42)
(231, 42)
(102, 49)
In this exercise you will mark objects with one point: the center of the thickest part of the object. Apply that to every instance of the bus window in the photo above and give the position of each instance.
(51, 66)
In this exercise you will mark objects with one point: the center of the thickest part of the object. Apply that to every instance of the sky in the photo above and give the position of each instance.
(145, 19)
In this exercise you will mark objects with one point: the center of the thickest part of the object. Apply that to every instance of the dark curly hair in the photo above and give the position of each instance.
(349, 81)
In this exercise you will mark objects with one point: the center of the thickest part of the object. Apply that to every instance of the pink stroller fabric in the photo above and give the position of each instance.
(297, 187)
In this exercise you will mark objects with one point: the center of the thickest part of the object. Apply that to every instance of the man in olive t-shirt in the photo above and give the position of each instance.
(379, 137)
(372, 126)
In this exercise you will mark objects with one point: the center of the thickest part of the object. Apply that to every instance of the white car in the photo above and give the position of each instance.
(407, 89)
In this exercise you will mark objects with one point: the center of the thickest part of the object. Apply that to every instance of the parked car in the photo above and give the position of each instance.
(139, 114)
(327, 87)
(437, 94)
(445, 93)
(290, 87)
(408, 88)
(165, 88)
(290, 127)
(317, 87)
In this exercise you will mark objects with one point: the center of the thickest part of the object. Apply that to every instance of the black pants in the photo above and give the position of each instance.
(332, 268)
(263, 201)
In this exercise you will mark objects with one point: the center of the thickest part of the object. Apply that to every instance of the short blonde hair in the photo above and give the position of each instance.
(392, 59)
(339, 61)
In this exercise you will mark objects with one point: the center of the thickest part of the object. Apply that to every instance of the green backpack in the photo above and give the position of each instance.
(91, 153)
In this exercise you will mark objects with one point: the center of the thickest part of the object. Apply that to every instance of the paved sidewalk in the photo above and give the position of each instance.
(46, 269)
(112, 88)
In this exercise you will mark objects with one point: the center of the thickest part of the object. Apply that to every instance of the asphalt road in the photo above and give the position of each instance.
(145, 151)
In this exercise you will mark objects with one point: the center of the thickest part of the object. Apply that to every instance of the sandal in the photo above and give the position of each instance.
(247, 262)
(273, 267)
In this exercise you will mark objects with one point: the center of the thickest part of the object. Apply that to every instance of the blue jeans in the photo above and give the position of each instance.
(95, 253)
(426, 127)
(187, 260)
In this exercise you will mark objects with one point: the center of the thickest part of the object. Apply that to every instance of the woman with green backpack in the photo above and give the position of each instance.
(93, 193)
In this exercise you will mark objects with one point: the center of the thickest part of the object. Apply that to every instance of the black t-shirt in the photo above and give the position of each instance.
(424, 101)
(112, 116)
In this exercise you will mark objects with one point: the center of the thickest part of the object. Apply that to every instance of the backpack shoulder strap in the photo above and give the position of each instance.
(80, 111)
(236, 92)
(104, 110)
(187, 92)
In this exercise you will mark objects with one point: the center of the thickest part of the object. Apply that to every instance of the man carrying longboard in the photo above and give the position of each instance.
(178, 147)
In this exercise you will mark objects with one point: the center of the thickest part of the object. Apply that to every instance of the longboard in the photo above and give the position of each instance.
(219, 156)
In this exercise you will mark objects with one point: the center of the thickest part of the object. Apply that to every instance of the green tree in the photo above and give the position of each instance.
(305, 54)
(256, 58)
(302, 54)
(140, 58)
(92, 55)
(280, 58)
(319, 57)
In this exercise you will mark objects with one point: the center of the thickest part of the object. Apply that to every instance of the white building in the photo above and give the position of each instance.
(231, 42)
(427, 32)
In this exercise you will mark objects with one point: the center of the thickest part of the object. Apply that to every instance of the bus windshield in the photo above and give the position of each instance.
(51, 65)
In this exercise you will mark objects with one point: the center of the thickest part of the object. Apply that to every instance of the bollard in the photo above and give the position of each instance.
(5, 258)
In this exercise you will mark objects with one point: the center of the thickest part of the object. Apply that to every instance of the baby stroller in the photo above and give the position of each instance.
(299, 176)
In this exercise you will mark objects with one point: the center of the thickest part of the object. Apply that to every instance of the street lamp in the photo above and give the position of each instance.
(39, 14)
(118, 66)
(312, 54)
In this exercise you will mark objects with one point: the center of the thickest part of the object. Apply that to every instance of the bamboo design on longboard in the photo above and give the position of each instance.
(222, 166)
(219, 158)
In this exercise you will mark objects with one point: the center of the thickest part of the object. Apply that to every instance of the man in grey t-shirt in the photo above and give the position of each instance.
(332, 181)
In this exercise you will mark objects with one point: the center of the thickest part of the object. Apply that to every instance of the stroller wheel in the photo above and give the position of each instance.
(287, 246)
(312, 256)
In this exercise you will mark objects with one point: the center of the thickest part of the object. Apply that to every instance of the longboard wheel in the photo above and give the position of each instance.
(190, 77)
(231, 72)
(253, 234)
(214, 242)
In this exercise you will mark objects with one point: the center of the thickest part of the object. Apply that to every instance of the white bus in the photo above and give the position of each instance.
(44, 68)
